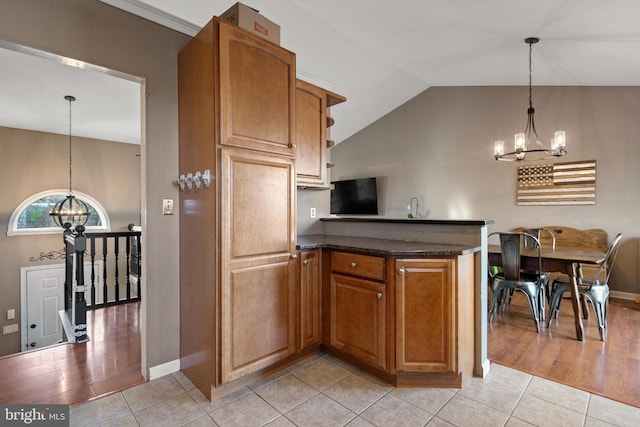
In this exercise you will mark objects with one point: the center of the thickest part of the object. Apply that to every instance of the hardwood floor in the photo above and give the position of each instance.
(71, 373)
(610, 368)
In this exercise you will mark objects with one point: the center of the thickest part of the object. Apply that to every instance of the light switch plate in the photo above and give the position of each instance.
(312, 213)
(9, 329)
(11, 314)
(167, 207)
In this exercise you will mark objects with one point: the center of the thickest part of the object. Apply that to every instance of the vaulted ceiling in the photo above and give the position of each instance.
(379, 54)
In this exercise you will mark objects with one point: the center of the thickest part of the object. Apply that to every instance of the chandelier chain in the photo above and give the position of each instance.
(70, 99)
(530, 71)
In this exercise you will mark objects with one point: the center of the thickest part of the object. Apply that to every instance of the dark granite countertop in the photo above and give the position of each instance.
(382, 246)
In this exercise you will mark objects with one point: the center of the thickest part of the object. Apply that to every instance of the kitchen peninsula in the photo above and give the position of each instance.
(402, 299)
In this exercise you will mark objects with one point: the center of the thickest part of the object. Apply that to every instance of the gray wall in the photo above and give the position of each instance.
(31, 162)
(97, 33)
(439, 148)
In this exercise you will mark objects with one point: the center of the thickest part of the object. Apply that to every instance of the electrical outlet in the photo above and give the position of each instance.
(312, 213)
(9, 329)
(11, 314)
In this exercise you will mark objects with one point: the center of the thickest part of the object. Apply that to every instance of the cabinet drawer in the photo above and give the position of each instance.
(368, 266)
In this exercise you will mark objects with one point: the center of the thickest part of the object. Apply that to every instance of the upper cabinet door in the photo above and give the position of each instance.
(257, 92)
(311, 126)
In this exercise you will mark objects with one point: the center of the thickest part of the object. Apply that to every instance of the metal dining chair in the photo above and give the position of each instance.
(512, 278)
(594, 290)
(544, 278)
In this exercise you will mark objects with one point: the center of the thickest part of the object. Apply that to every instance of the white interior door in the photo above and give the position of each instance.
(45, 297)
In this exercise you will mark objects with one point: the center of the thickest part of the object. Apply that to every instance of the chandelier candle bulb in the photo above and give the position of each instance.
(520, 143)
(558, 140)
(499, 148)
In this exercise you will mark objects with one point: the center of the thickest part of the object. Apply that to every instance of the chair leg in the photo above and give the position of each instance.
(554, 306)
(600, 310)
(502, 300)
(541, 298)
(495, 297)
(534, 302)
(585, 309)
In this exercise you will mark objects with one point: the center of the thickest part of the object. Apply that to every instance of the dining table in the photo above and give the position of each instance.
(567, 261)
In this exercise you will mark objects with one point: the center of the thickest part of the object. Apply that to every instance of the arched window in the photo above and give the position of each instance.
(32, 215)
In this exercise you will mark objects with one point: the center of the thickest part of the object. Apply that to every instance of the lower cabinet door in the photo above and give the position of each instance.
(257, 318)
(358, 318)
(425, 322)
(309, 298)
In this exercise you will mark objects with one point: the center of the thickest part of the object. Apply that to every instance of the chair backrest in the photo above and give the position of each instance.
(609, 260)
(539, 233)
(510, 248)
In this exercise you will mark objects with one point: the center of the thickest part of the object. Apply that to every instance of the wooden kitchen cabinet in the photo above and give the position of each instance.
(257, 304)
(310, 300)
(238, 307)
(312, 133)
(358, 309)
(425, 308)
(412, 327)
(434, 319)
(257, 90)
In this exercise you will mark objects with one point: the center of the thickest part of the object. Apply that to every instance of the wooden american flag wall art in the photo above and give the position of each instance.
(571, 183)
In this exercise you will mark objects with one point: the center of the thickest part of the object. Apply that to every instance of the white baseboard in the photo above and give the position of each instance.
(624, 295)
(485, 368)
(164, 369)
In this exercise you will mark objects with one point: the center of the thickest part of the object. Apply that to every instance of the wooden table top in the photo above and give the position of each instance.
(567, 255)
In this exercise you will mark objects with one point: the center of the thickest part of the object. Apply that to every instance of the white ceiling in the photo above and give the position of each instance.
(33, 85)
(379, 54)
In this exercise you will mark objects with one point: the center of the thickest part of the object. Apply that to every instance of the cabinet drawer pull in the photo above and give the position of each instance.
(305, 262)
(379, 295)
(353, 265)
(401, 271)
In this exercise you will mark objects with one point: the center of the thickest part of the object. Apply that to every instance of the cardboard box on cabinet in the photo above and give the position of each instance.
(248, 18)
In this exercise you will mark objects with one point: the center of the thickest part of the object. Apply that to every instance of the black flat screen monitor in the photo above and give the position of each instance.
(354, 197)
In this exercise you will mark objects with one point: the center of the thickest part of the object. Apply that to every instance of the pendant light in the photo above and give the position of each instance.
(70, 210)
(528, 141)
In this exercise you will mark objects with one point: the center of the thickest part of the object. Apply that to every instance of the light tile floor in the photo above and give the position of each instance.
(324, 391)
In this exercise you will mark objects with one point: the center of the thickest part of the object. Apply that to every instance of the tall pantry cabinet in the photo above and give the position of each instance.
(237, 237)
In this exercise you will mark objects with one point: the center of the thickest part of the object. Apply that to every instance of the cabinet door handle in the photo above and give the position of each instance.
(294, 256)
(401, 271)
(379, 295)
(353, 265)
(305, 262)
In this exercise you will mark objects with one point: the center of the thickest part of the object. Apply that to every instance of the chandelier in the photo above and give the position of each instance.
(528, 141)
(70, 210)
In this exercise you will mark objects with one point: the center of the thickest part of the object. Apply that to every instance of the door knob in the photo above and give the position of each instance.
(33, 344)
(33, 326)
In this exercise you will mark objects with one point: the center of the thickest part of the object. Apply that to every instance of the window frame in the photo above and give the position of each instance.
(13, 230)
